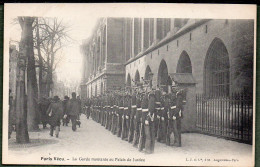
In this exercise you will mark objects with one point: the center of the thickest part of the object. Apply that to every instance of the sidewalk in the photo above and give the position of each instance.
(93, 141)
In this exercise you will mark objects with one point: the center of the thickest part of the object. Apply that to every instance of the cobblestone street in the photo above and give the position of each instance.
(92, 141)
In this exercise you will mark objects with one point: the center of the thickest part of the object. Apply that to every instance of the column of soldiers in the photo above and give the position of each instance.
(141, 115)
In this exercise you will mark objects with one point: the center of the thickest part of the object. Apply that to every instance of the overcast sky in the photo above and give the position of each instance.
(70, 67)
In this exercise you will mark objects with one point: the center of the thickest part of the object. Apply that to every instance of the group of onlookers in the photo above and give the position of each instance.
(52, 111)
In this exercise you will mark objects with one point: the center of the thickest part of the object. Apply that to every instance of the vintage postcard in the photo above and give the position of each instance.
(129, 84)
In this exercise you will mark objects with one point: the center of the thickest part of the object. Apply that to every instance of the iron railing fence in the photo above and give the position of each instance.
(228, 117)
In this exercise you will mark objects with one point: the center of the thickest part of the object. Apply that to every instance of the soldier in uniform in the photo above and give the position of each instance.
(137, 118)
(113, 102)
(94, 117)
(110, 108)
(171, 116)
(144, 105)
(157, 117)
(120, 113)
(105, 114)
(96, 108)
(163, 122)
(115, 110)
(177, 116)
(149, 124)
(132, 115)
(125, 117)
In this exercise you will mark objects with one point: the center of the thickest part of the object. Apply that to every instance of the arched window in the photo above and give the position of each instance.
(163, 75)
(217, 69)
(147, 71)
(128, 81)
(137, 76)
(184, 63)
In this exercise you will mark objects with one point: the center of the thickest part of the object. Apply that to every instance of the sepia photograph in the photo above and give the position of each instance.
(129, 84)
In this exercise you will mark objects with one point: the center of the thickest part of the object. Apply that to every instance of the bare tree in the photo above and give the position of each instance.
(25, 53)
(51, 37)
(32, 88)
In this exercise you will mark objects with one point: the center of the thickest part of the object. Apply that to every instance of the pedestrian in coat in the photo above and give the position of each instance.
(65, 119)
(55, 113)
(73, 110)
(43, 107)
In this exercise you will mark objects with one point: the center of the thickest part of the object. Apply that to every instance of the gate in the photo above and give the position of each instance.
(228, 117)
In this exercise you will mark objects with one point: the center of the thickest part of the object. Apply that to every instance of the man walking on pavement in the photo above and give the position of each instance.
(73, 110)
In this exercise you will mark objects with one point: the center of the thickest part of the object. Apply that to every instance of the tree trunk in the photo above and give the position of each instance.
(41, 84)
(32, 93)
(22, 135)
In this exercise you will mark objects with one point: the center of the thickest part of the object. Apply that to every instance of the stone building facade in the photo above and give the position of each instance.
(215, 55)
(105, 54)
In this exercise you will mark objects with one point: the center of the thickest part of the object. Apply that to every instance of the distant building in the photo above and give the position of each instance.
(105, 54)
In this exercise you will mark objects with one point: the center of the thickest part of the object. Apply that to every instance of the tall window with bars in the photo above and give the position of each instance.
(217, 70)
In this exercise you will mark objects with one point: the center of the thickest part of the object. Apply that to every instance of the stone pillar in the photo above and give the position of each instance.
(145, 30)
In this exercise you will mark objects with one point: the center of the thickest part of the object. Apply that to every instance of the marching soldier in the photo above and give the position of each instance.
(125, 117)
(115, 110)
(110, 112)
(157, 111)
(177, 116)
(106, 108)
(113, 102)
(162, 129)
(119, 114)
(137, 119)
(144, 106)
(171, 117)
(149, 124)
(132, 115)
(94, 109)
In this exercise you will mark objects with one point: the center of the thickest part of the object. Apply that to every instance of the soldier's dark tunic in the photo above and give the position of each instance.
(119, 116)
(115, 110)
(178, 113)
(162, 130)
(125, 118)
(98, 111)
(112, 112)
(144, 106)
(157, 111)
(149, 125)
(132, 115)
(110, 109)
(137, 120)
(171, 112)
(105, 117)
(94, 114)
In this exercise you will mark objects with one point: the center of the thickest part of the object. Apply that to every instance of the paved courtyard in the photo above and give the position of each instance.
(93, 144)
